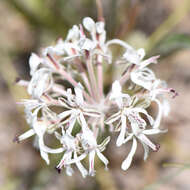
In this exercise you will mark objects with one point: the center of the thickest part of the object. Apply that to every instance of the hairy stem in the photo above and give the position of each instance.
(100, 10)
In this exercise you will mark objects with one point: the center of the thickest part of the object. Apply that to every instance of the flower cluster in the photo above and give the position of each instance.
(70, 102)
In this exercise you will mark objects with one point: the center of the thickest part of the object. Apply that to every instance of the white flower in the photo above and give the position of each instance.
(41, 82)
(143, 76)
(76, 107)
(87, 44)
(90, 145)
(58, 101)
(73, 34)
(39, 128)
(133, 56)
(96, 30)
(71, 149)
(140, 134)
(117, 94)
(34, 62)
(58, 49)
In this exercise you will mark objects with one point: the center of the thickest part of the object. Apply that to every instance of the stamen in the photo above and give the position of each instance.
(58, 169)
(174, 92)
(16, 139)
(17, 79)
(157, 148)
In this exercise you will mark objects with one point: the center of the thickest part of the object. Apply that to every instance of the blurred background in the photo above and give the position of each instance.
(161, 27)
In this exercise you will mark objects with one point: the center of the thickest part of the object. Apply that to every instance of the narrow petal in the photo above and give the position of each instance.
(44, 155)
(26, 135)
(72, 121)
(69, 171)
(81, 168)
(46, 149)
(128, 138)
(159, 115)
(64, 114)
(102, 158)
(79, 95)
(83, 123)
(149, 61)
(104, 143)
(40, 127)
(113, 118)
(149, 117)
(62, 162)
(121, 136)
(89, 24)
(141, 53)
(127, 162)
(91, 163)
(146, 151)
(154, 131)
(118, 42)
(146, 141)
(34, 61)
(78, 159)
(165, 108)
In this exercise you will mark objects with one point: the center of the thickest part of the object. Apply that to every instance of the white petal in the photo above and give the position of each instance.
(154, 131)
(102, 158)
(64, 114)
(71, 123)
(83, 123)
(146, 151)
(116, 87)
(73, 33)
(81, 168)
(143, 78)
(46, 149)
(128, 138)
(159, 115)
(141, 110)
(91, 163)
(69, 171)
(77, 159)
(26, 135)
(121, 136)
(119, 42)
(34, 61)
(149, 61)
(100, 27)
(141, 53)
(146, 141)
(166, 108)
(87, 44)
(116, 93)
(104, 143)
(127, 162)
(41, 81)
(44, 155)
(62, 162)
(89, 24)
(40, 127)
(113, 118)
(132, 56)
(57, 135)
(79, 95)
(91, 114)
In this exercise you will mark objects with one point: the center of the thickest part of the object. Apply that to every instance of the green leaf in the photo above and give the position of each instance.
(171, 44)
